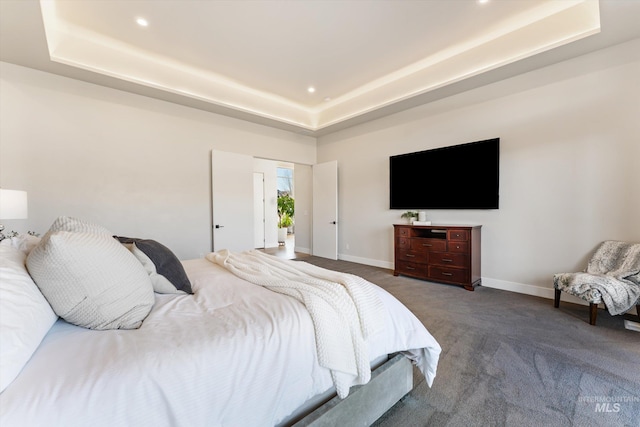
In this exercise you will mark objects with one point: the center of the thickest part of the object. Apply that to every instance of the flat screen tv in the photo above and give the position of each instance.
(464, 176)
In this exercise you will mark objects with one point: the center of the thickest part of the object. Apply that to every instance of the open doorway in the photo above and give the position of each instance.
(286, 206)
(282, 179)
(246, 216)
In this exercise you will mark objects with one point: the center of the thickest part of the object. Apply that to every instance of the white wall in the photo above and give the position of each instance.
(136, 165)
(569, 176)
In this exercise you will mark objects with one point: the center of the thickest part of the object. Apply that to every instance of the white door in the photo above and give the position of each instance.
(258, 209)
(325, 210)
(232, 201)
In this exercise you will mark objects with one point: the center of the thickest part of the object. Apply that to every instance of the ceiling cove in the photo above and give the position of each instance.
(452, 57)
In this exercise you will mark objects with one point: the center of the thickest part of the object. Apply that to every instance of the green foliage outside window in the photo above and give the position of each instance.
(285, 211)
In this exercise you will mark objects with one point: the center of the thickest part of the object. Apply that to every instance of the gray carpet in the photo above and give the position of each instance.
(513, 360)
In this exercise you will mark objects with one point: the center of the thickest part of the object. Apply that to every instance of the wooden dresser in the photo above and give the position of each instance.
(440, 253)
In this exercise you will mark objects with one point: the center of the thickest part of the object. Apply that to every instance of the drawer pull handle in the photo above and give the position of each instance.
(447, 260)
(410, 268)
(411, 255)
(457, 247)
(447, 274)
(427, 245)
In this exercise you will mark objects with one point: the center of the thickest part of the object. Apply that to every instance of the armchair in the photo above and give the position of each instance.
(612, 277)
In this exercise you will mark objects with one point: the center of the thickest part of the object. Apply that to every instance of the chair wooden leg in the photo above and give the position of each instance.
(556, 301)
(593, 313)
(638, 311)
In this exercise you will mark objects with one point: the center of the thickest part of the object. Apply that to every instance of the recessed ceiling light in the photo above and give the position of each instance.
(483, 1)
(311, 89)
(142, 22)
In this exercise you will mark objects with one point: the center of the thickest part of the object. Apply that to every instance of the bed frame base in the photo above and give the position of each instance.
(366, 403)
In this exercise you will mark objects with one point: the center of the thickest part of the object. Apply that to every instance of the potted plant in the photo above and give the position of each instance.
(410, 216)
(283, 224)
(286, 210)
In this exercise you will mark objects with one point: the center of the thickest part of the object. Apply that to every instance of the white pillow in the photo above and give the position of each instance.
(164, 268)
(24, 242)
(161, 284)
(66, 223)
(25, 315)
(91, 280)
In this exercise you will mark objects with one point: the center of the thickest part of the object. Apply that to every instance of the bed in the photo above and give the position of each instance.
(231, 353)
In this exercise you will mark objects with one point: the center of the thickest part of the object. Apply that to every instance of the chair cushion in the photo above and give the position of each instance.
(565, 282)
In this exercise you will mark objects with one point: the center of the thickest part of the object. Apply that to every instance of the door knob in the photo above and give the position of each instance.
(333, 222)
(219, 226)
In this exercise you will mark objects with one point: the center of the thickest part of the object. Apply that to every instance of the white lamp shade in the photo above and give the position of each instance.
(13, 204)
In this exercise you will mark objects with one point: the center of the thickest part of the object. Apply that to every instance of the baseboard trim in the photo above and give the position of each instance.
(521, 288)
(302, 250)
(366, 261)
(537, 291)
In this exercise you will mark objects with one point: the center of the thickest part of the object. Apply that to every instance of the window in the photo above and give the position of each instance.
(285, 181)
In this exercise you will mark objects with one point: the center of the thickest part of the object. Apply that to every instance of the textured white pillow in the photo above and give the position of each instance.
(25, 315)
(90, 279)
(66, 223)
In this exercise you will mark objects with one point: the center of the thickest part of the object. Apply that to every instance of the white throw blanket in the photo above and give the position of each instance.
(612, 275)
(344, 308)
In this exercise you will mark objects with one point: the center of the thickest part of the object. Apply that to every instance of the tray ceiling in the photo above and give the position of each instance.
(256, 60)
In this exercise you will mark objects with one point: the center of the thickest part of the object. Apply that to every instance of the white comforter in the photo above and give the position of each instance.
(345, 309)
(233, 354)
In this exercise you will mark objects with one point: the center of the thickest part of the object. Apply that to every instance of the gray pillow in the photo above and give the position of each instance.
(165, 269)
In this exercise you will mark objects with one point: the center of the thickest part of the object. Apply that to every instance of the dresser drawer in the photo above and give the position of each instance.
(448, 259)
(402, 231)
(411, 256)
(458, 275)
(411, 269)
(455, 234)
(459, 246)
(403, 243)
(427, 245)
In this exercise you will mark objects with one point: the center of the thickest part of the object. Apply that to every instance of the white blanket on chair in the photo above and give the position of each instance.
(613, 273)
(616, 266)
(344, 308)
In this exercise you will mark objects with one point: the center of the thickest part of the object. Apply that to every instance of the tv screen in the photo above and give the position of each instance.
(464, 176)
